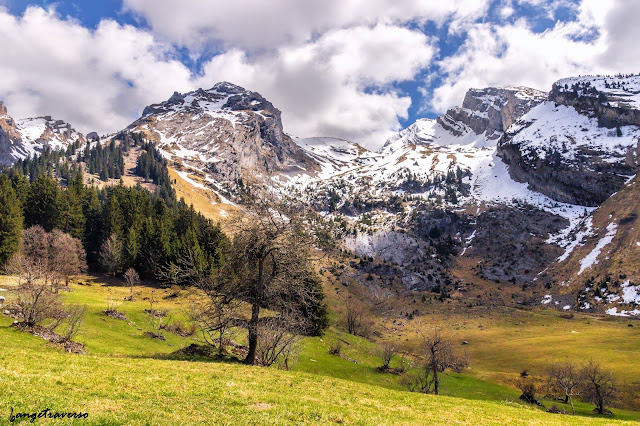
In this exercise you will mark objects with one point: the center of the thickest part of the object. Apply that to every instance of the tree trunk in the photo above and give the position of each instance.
(573, 409)
(253, 335)
(435, 379)
(566, 399)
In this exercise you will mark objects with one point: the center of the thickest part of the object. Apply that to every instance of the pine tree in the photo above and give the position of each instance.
(73, 220)
(10, 220)
(44, 204)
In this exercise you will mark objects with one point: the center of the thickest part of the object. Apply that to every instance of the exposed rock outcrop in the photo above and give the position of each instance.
(228, 131)
(578, 147)
(493, 110)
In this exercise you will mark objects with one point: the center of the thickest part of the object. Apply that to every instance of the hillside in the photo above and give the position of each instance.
(140, 382)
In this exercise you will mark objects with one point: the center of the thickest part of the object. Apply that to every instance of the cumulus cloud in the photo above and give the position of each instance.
(338, 85)
(96, 80)
(332, 67)
(601, 40)
(255, 24)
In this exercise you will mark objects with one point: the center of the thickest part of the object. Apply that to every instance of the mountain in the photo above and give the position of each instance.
(23, 138)
(516, 187)
(581, 145)
(227, 132)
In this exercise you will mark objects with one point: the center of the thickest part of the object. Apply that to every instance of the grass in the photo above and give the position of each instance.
(130, 378)
(150, 391)
(503, 342)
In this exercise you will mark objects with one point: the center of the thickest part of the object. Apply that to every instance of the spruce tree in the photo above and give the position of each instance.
(10, 220)
(73, 220)
(44, 204)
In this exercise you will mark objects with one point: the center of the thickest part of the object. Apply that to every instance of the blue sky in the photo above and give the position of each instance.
(355, 69)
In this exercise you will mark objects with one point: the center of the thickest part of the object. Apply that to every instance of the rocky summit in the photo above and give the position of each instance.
(227, 132)
(28, 137)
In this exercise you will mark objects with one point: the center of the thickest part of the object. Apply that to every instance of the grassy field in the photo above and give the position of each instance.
(130, 378)
(502, 342)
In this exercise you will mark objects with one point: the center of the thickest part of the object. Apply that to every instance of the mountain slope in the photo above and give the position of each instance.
(227, 132)
(24, 138)
(503, 186)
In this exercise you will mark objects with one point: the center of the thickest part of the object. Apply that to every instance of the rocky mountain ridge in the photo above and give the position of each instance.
(576, 147)
(27, 137)
(227, 132)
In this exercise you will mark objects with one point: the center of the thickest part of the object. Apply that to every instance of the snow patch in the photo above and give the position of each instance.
(622, 313)
(592, 258)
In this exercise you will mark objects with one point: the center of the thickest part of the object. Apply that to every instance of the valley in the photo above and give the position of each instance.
(508, 224)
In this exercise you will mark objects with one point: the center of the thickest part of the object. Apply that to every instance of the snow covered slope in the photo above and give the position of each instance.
(578, 147)
(620, 90)
(27, 137)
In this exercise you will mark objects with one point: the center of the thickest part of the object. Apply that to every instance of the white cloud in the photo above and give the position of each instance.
(324, 87)
(254, 24)
(602, 40)
(506, 12)
(337, 84)
(96, 80)
(329, 66)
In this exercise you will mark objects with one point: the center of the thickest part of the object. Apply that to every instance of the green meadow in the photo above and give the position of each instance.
(129, 378)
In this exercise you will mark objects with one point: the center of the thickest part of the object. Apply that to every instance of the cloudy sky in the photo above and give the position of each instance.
(356, 69)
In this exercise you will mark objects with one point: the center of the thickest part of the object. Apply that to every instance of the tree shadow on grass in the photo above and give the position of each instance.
(195, 353)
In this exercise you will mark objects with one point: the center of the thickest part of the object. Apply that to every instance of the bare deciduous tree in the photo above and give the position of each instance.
(157, 319)
(565, 378)
(111, 254)
(47, 258)
(529, 389)
(268, 267)
(335, 348)
(74, 319)
(599, 385)
(386, 352)
(215, 319)
(113, 303)
(66, 255)
(36, 303)
(356, 317)
(276, 339)
(132, 278)
(439, 356)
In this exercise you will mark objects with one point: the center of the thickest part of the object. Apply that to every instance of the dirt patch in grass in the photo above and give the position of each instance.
(154, 335)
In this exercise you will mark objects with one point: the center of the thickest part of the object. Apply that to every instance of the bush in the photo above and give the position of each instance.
(336, 347)
(36, 303)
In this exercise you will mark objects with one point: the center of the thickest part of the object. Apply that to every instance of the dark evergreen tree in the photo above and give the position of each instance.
(10, 219)
(44, 204)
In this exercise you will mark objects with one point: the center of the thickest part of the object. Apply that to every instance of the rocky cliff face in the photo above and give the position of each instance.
(577, 147)
(493, 110)
(227, 131)
(613, 101)
(9, 136)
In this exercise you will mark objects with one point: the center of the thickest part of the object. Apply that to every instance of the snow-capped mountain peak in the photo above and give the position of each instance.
(27, 137)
